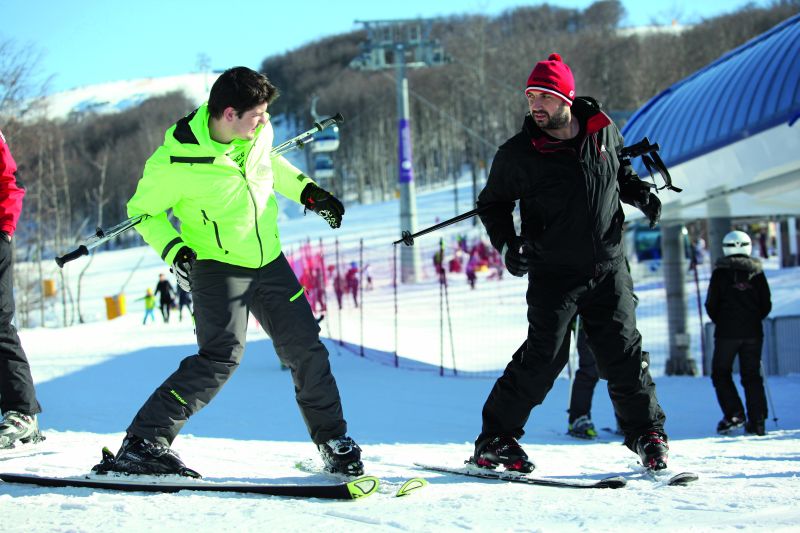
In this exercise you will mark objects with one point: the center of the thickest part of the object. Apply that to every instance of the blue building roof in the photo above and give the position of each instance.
(748, 90)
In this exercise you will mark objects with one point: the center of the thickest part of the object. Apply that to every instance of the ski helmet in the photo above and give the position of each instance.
(737, 243)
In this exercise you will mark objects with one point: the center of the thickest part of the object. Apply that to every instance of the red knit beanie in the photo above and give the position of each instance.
(553, 76)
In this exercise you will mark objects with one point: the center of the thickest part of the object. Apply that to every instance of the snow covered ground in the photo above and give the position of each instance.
(91, 379)
(252, 432)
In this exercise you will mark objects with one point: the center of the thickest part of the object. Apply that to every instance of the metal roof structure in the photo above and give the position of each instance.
(746, 91)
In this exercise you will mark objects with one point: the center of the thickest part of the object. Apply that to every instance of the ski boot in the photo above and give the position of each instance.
(140, 456)
(489, 453)
(18, 427)
(342, 456)
(582, 428)
(653, 450)
(755, 427)
(726, 425)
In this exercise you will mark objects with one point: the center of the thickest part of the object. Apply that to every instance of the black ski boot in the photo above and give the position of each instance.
(726, 425)
(653, 450)
(582, 428)
(140, 456)
(755, 427)
(506, 451)
(342, 456)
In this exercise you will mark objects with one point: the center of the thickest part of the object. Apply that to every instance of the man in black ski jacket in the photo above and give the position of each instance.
(565, 171)
(738, 300)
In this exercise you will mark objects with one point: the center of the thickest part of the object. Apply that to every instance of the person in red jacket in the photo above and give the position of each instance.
(18, 402)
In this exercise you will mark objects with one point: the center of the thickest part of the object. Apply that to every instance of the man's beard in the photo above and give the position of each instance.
(557, 121)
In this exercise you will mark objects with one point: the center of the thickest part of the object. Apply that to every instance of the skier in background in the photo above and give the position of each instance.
(167, 296)
(149, 306)
(18, 402)
(351, 281)
(738, 300)
(580, 423)
(184, 300)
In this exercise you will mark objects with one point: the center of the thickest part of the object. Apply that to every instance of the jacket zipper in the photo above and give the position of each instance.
(255, 211)
(585, 176)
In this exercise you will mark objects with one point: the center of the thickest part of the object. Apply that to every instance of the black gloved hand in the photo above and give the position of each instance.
(651, 207)
(515, 256)
(182, 267)
(323, 203)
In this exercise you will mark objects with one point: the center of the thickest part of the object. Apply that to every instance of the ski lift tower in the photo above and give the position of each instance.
(401, 44)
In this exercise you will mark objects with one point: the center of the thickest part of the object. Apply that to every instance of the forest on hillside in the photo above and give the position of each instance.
(461, 111)
(80, 172)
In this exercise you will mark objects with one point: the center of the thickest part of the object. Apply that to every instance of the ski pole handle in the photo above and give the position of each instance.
(299, 141)
(330, 121)
(71, 256)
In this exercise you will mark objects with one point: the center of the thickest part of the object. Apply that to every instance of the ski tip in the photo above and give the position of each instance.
(614, 482)
(684, 478)
(363, 486)
(410, 486)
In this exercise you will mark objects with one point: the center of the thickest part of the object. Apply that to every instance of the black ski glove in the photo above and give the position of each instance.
(651, 207)
(323, 203)
(182, 267)
(515, 256)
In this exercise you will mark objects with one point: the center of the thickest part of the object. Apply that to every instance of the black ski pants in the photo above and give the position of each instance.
(165, 307)
(749, 351)
(586, 378)
(17, 392)
(223, 297)
(606, 305)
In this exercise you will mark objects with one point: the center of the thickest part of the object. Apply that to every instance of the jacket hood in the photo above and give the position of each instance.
(743, 263)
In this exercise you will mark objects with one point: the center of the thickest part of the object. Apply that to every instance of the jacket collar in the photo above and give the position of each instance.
(193, 130)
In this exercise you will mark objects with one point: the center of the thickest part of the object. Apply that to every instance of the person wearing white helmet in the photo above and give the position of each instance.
(738, 300)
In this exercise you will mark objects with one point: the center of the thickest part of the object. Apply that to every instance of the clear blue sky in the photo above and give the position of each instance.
(84, 42)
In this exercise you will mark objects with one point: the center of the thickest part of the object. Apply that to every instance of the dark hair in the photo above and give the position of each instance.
(240, 88)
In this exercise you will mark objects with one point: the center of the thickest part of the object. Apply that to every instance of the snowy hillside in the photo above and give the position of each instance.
(92, 378)
(121, 95)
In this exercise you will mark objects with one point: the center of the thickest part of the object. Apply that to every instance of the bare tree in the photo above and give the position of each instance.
(96, 198)
(19, 77)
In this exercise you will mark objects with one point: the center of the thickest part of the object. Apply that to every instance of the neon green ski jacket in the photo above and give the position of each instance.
(226, 214)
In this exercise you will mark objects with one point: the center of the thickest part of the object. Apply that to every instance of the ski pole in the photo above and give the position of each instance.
(648, 152)
(299, 141)
(408, 239)
(102, 236)
(769, 395)
(652, 162)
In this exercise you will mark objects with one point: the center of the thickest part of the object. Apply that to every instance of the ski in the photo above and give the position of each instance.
(410, 486)
(351, 490)
(407, 487)
(671, 479)
(614, 482)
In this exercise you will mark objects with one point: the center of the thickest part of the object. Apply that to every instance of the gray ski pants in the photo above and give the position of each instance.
(223, 296)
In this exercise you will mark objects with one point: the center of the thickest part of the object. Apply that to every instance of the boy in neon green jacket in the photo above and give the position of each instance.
(216, 173)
